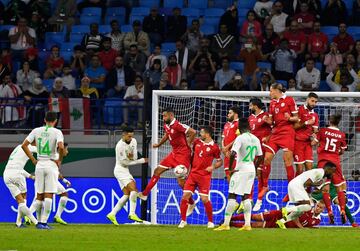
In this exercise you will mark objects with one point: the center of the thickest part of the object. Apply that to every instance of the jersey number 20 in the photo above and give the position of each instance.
(250, 155)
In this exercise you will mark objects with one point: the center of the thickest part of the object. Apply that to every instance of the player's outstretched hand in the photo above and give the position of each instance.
(155, 145)
(210, 169)
(146, 160)
(34, 162)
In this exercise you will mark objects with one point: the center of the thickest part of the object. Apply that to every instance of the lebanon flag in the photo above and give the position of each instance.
(75, 113)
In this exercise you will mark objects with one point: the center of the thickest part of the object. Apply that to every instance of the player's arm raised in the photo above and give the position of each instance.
(162, 141)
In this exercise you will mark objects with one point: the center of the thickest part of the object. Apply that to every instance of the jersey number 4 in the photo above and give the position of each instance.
(43, 149)
(330, 145)
(250, 155)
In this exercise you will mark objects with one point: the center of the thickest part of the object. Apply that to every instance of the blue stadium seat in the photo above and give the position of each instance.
(191, 12)
(91, 11)
(213, 12)
(136, 17)
(323, 3)
(149, 3)
(349, 6)
(201, 4)
(330, 29)
(324, 87)
(48, 84)
(5, 27)
(66, 55)
(104, 29)
(81, 28)
(120, 19)
(237, 66)
(241, 20)
(68, 46)
(264, 65)
(144, 11)
(126, 28)
(89, 19)
(222, 4)
(173, 3)
(283, 82)
(318, 65)
(242, 12)
(76, 37)
(356, 36)
(112, 111)
(52, 38)
(246, 4)
(212, 20)
(353, 29)
(115, 11)
(208, 29)
(168, 47)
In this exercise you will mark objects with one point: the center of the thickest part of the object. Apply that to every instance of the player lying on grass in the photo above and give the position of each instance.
(268, 219)
(205, 150)
(298, 194)
(126, 155)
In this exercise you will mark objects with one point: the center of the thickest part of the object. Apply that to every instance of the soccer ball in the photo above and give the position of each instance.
(180, 171)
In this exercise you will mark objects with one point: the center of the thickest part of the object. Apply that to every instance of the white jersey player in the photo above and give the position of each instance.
(245, 147)
(48, 140)
(298, 194)
(15, 180)
(126, 155)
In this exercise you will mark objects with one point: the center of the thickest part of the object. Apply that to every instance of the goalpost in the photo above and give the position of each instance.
(197, 108)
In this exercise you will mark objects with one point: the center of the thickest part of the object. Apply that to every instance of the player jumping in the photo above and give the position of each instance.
(204, 152)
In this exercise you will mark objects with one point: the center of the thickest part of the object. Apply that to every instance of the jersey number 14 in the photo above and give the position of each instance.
(43, 149)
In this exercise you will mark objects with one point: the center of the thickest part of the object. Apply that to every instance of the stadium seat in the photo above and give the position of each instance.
(201, 4)
(213, 12)
(330, 29)
(112, 111)
(353, 29)
(243, 12)
(120, 19)
(48, 83)
(91, 11)
(173, 3)
(89, 19)
(115, 11)
(76, 37)
(246, 4)
(191, 12)
(349, 5)
(318, 65)
(168, 47)
(66, 55)
(126, 28)
(81, 28)
(237, 66)
(52, 38)
(212, 21)
(241, 20)
(264, 65)
(224, 4)
(104, 29)
(68, 46)
(324, 87)
(208, 29)
(141, 11)
(149, 3)
(5, 27)
(283, 82)
(136, 17)
(165, 11)
(323, 3)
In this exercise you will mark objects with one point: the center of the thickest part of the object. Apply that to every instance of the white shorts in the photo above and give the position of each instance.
(123, 177)
(297, 192)
(241, 183)
(46, 177)
(15, 182)
(60, 188)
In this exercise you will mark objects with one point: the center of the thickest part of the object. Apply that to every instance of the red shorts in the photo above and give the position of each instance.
(280, 141)
(201, 182)
(303, 152)
(338, 178)
(271, 217)
(172, 160)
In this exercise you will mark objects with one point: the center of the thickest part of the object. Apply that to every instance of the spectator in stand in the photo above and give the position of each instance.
(78, 61)
(119, 78)
(14, 10)
(344, 40)
(356, 53)
(250, 54)
(64, 15)
(231, 18)
(266, 80)
(292, 7)
(31, 55)
(117, 38)
(283, 58)
(4, 70)
(202, 73)
(107, 54)
(308, 78)
(134, 96)
(21, 38)
(176, 25)
(68, 79)
(164, 83)
(39, 25)
(297, 42)
(193, 35)
(334, 12)
(153, 74)
(184, 56)
(137, 37)
(251, 27)
(263, 8)
(346, 68)
(268, 42)
(292, 85)
(157, 55)
(305, 19)
(355, 18)
(25, 76)
(184, 84)
(136, 59)
(224, 75)
(43, 7)
(154, 26)
(277, 18)
(54, 63)
(348, 82)
(85, 91)
(92, 3)
(237, 83)
(174, 71)
(205, 50)
(223, 44)
(317, 43)
(333, 59)
(92, 41)
(96, 73)
(59, 90)
(5, 53)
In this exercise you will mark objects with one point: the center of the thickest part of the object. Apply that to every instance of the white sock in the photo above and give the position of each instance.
(133, 200)
(24, 210)
(247, 212)
(229, 210)
(18, 217)
(296, 211)
(62, 204)
(36, 206)
(46, 210)
(121, 202)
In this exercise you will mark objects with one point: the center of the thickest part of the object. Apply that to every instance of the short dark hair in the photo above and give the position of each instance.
(243, 125)
(106, 39)
(133, 46)
(313, 95)
(169, 109)
(284, 40)
(195, 21)
(158, 45)
(139, 76)
(128, 129)
(335, 119)
(329, 164)
(208, 129)
(113, 21)
(309, 59)
(279, 87)
(235, 109)
(257, 102)
(50, 116)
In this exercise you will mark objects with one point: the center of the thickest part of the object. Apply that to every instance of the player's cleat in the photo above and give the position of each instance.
(182, 224)
(280, 224)
(46, 226)
(134, 217)
(40, 226)
(210, 225)
(27, 221)
(263, 191)
(240, 208)
(245, 228)
(190, 209)
(284, 213)
(331, 218)
(141, 196)
(222, 228)
(286, 198)
(354, 224)
(343, 217)
(257, 206)
(112, 218)
(58, 219)
(21, 226)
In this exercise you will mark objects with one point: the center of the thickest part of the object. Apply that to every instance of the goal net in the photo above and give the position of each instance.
(198, 108)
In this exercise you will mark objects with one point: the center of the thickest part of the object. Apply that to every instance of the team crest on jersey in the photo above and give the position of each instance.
(259, 120)
(282, 104)
(208, 149)
(276, 110)
(172, 131)
(232, 125)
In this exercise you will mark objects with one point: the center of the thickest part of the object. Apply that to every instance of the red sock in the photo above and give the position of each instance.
(260, 184)
(290, 172)
(209, 211)
(235, 224)
(342, 200)
(265, 175)
(327, 201)
(154, 179)
(183, 209)
(191, 201)
(239, 217)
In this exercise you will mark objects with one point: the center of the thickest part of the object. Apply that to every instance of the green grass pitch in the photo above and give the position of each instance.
(141, 237)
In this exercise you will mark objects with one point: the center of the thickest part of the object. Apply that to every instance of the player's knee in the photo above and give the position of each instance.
(64, 194)
(158, 170)
(204, 199)
(186, 196)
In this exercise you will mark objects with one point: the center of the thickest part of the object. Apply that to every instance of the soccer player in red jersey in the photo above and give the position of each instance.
(332, 143)
(261, 129)
(282, 115)
(229, 135)
(205, 150)
(305, 131)
(181, 137)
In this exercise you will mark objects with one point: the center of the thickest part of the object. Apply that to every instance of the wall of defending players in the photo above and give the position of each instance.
(90, 199)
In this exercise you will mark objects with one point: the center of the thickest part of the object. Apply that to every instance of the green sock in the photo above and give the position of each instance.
(348, 215)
